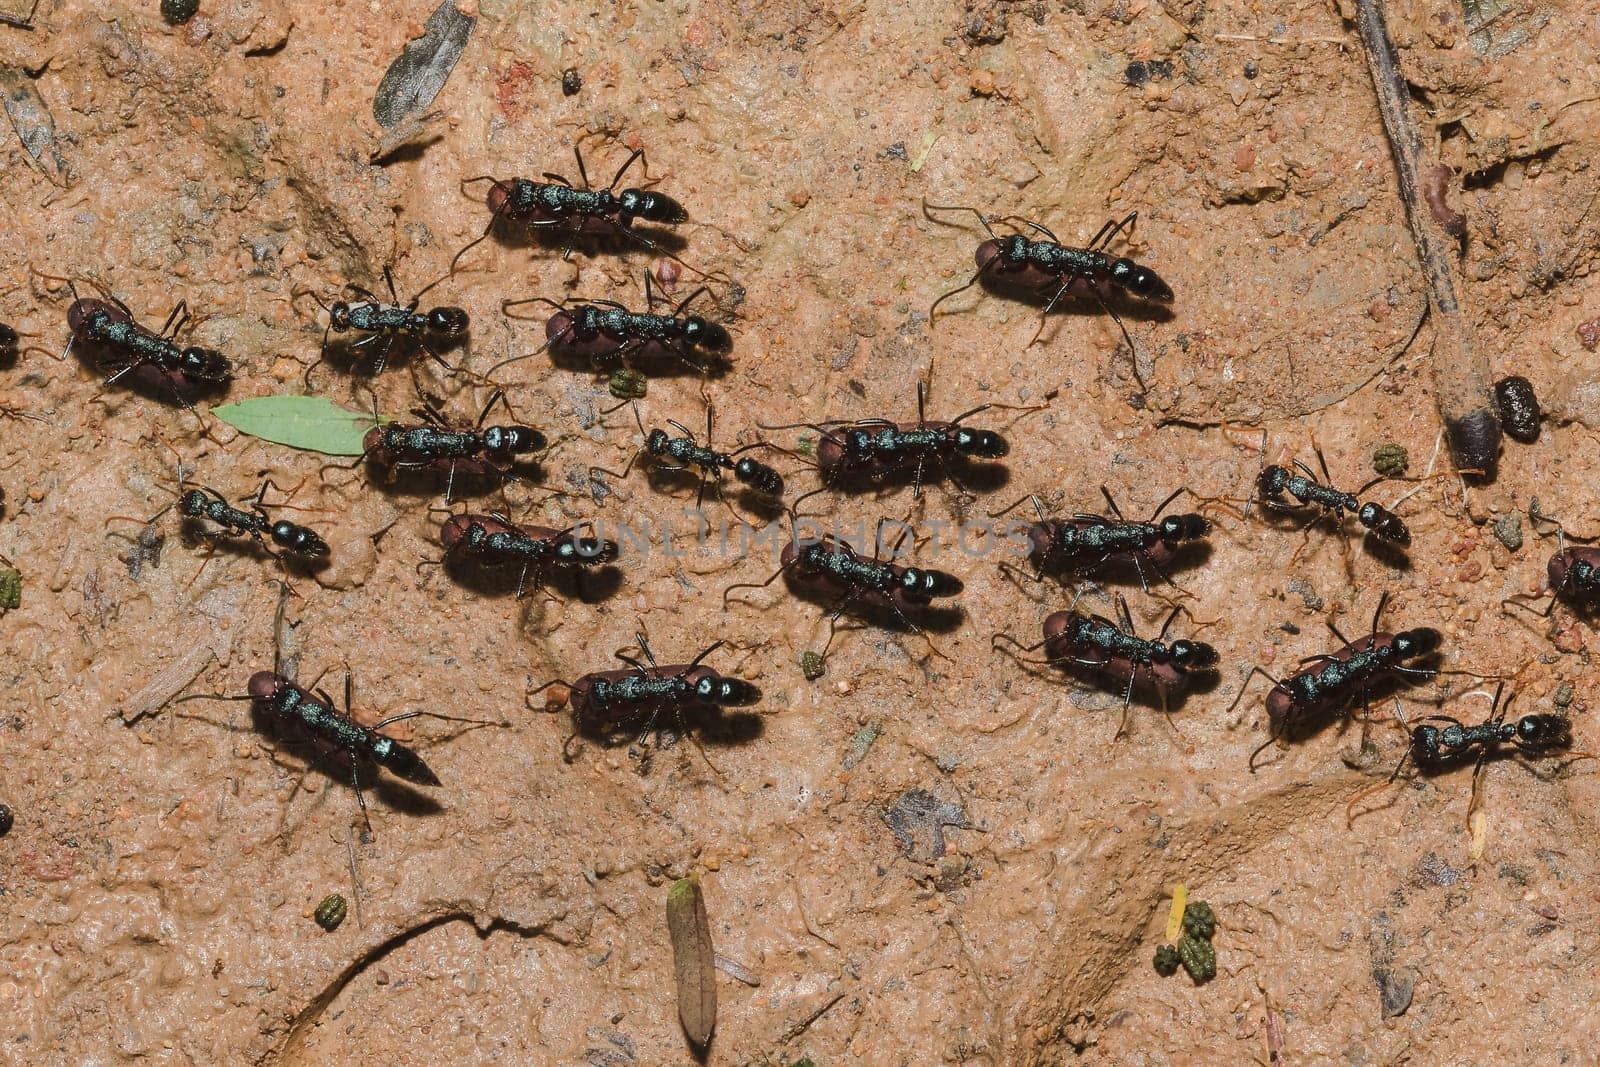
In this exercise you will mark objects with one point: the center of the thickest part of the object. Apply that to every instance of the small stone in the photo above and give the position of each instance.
(6, 819)
(10, 588)
(331, 912)
(981, 83)
(571, 81)
(1508, 531)
(1390, 460)
(178, 12)
(1563, 696)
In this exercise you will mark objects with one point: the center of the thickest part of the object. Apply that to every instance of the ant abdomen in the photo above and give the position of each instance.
(706, 335)
(985, 444)
(919, 584)
(1140, 281)
(759, 476)
(449, 321)
(652, 207)
(1383, 523)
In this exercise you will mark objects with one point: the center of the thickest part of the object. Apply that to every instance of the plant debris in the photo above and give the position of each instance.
(918, 819)
(693, 960)
(1390, 460)
(415, 78)
(331, 912)
(1193, 950)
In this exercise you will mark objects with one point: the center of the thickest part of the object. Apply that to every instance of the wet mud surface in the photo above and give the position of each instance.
(921, 858)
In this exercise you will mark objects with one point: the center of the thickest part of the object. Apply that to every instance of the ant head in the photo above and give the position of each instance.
(1544, 731)
(1194, 655)
(264, 685)
(655, 207)
(1425, 743)
(513, 439)
(90, 316)
(1014, 249)
(655, 442)
(918, 584)
(985, 444)
(499, 196)
(458, 529)
(724, 692)
(339, 315)
(1140, 281)
(451, 322)
(707, 335)
(203, 364)
(586, 551)
(192, 504)
(1184, 527)
(759, 476)
(298, 539)
(1272, 480)
(1419, 642)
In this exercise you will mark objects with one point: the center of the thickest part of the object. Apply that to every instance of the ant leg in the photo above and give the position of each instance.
(1133, 349)
(638, 153)
(179, 315)
(983, 220)
(1477, 779)
(355, 782)
(1253, 672)
(1103, 237)
(1048, 307)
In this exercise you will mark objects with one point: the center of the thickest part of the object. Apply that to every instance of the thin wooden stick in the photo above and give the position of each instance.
(1461, 377)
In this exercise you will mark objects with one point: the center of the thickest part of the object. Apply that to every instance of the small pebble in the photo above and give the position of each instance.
(6, 819)
(1563, 696)
(178, 12)
(1508, 531)
(811, 666)
(571, 81)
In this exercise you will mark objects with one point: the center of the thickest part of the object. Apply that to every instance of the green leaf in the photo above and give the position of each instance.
(313, 423)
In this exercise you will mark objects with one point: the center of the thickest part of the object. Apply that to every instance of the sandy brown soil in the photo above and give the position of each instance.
(159, 883)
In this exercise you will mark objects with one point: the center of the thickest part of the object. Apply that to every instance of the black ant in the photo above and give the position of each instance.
(1573, 574)
(1434, 749)
(292, 541)
(1086, 542)
(1072, 639)
(309, 711)
(386, 323)
(1274, 481)
(1335, 680)
(872, 449)
(434, 445)
(689, 454)
(1039, 266)
(610, 698)
(110, 325)
(495, 541)
(579, 212)
(604, 333)
(832, 567)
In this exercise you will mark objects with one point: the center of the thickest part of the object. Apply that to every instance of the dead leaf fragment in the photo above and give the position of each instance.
(693, 960)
